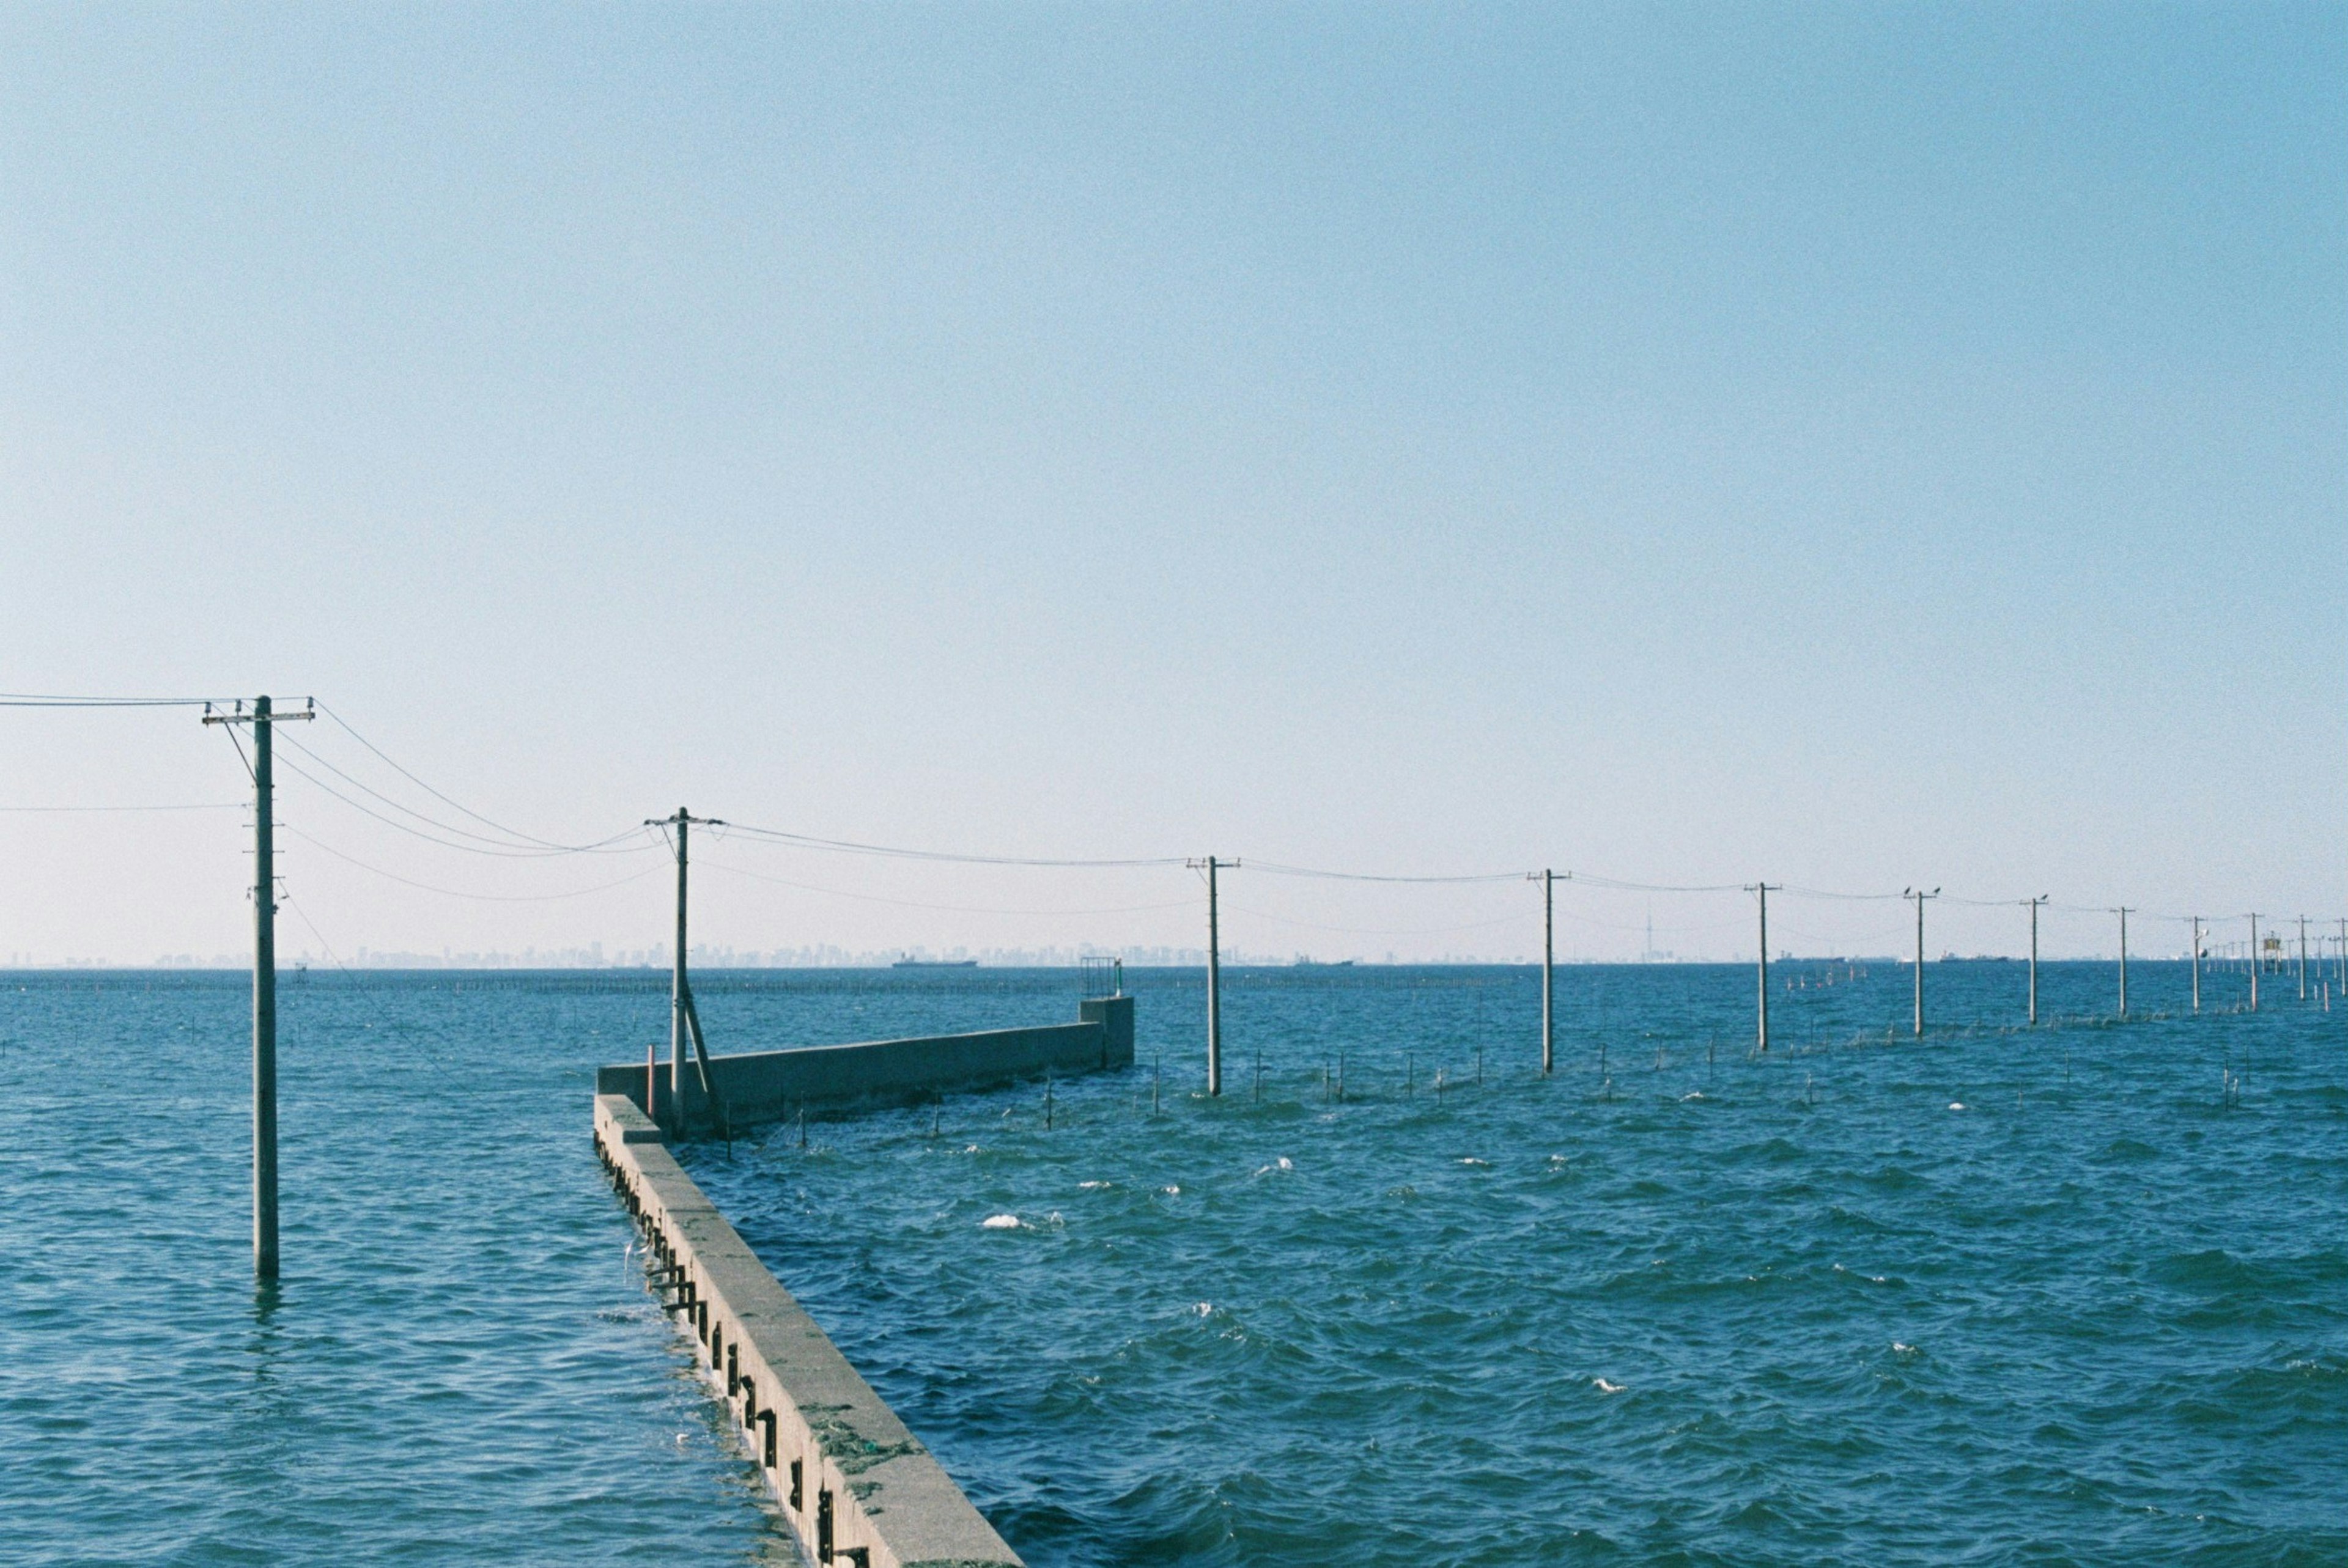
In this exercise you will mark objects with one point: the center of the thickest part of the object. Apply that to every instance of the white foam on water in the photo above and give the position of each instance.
(1956, 1105)
(1285, 1164)
(999, 1222)
(1699, 1095)
(1092, 1186)
(1604, 1387)
(1471, 1160)
(1171, 1191)
(1900, 1349)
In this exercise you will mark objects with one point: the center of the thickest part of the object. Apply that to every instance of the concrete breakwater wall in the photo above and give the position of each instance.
(772, 1085)
(855, 1485)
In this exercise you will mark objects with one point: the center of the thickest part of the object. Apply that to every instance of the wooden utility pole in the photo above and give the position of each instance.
(1214, 975)
(1919, 895)
(684, 1021)
(2033, 904)
(264, 979)
(1761, 970)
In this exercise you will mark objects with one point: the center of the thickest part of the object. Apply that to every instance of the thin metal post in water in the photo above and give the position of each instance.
(2303, 958)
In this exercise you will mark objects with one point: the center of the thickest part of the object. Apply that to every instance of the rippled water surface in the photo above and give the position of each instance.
(1672, 1304)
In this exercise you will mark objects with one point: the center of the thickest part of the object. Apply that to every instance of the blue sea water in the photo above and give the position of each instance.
(1672, 1304)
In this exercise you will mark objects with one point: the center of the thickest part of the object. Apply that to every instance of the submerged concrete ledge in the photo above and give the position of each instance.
(855, 1485)
(771, 1085)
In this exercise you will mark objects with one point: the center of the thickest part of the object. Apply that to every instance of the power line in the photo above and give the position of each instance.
(1615, 885)
(468, 811)
(1277, 869)
(532, 849)
(200, 805)
(847, 847)
(913, 904)
(361, 806)
(40, 700)
(1380, 930)
(457, 893)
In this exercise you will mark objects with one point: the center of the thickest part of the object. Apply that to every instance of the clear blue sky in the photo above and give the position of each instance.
(1854, 444)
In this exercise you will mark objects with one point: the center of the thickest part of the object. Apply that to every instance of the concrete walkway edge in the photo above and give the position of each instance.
(855, 1486)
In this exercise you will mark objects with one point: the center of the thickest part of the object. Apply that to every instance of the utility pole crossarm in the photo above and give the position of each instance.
(259, 715)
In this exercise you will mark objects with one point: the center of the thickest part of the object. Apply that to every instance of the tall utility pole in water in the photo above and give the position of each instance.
(2123, 914)
(2197, 963)
(684, 1022)
(2033, 904)
(1919, 895)
(264, 979)
(2254, 963)
(1549, 970)
(1762, 970)
(1214, 975)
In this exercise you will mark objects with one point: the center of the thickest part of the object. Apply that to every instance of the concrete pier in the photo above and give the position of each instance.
(774, 1085)
(855, 1486)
